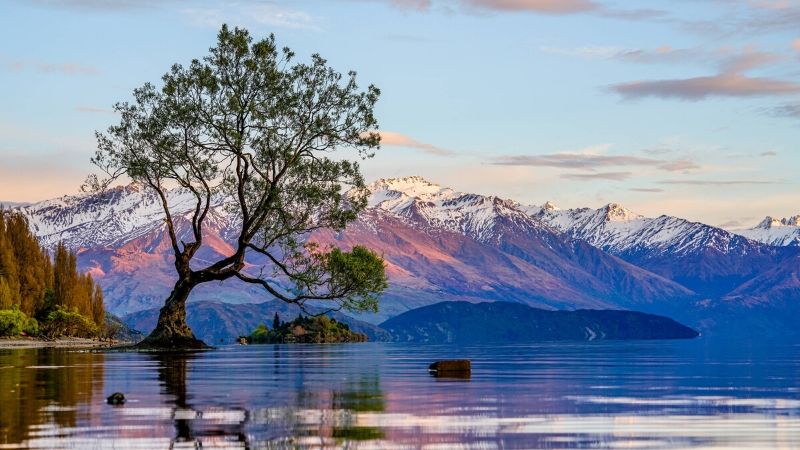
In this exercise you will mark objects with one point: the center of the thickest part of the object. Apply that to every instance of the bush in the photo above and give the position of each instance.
(61, 322)
(14, 322)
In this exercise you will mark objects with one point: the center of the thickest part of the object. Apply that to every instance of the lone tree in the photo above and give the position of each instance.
(247, 129)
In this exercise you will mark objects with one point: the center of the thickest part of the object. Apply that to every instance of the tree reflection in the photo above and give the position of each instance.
(173, 370)
(40, 387)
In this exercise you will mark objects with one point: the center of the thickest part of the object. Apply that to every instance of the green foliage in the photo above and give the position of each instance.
(363, 271)
(14, 322)
(34, 286)
(319, 329)
(62, 322)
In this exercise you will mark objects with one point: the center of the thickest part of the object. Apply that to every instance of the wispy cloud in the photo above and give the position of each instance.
(716, 182)
(592, 161)
(651, 190)
(418, 5)
(98, 5)
(253, 15)
(796, 44)
(392, 138)
(731, 224)
(699, 88)
(547, 7)
(612, 176)
(90, 109)
(538, 6)
(791, 110)
(66, 68)
(768, 153)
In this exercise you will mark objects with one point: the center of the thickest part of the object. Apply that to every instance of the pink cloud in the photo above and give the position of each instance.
(392, 138)
(698, 88)
(796, 44)
(540, 6)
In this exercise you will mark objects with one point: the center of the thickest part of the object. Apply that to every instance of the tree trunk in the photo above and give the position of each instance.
(172, 331)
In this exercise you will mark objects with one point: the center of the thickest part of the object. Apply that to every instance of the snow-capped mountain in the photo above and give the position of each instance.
(619, 230)
(440, 244)
(706, 259)
(772, 231)
(417, 199)
(109, 218)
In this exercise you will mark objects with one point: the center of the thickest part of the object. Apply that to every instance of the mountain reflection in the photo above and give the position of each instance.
(601, 395)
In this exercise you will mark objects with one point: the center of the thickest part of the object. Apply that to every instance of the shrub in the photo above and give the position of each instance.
(14, 322)
(62, 322)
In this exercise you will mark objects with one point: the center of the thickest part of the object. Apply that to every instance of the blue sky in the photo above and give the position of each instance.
(688, 108)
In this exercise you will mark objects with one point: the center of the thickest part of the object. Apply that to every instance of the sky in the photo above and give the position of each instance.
(685, 107)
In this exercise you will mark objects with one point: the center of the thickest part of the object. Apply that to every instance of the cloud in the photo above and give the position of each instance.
(612, 176)
(646, 190)
(769, 153)
(252, 15)
(746, 60)
(699, 88)
(791, 110)
(548, 7)
(661, 54)
(391, 138)
(590, 161)
(538, 6)
(68, 68)
(98, 5)
(731, 224)
(728, 60)
(90, 109)
(417, 5)
(716, 182)
(796, 44)
(678, 165)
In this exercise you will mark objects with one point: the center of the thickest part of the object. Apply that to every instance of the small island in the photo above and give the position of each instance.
(305, 330)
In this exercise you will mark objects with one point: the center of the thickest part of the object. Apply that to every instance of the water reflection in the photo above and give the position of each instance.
(40, 390)
(606, 395)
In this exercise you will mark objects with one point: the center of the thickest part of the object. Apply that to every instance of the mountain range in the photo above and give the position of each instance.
(443, 245)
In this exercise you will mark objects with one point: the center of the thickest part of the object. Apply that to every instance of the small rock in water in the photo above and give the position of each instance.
(451, 366)
(117, 398)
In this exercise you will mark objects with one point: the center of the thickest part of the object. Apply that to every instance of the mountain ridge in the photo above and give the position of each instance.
(440, 244)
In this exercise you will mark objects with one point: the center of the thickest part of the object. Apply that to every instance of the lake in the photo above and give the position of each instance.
(643, 394)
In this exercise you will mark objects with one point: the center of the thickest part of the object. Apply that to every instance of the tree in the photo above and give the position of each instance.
(247, 129)
(276, 321)
(98, 310)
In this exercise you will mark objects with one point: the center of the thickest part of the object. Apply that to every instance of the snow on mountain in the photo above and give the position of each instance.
(115, 216)
(421, 201)
(772, 231)
(706, 259)
(619, 230)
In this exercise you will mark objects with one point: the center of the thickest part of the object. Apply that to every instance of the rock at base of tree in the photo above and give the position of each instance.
(449, 367)
(171, 342)
(117, 398)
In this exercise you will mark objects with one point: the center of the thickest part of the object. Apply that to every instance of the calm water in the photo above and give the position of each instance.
(669, 394)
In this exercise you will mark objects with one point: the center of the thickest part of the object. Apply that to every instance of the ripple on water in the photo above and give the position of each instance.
(652, 395)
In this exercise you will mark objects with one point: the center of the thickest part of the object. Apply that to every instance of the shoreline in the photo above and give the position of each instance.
(76, 343)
